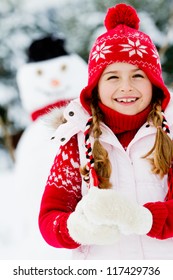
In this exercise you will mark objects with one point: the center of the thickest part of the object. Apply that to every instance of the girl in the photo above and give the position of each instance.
(109, 194)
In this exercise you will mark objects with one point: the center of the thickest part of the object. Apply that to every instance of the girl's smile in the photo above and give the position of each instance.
(125, 88)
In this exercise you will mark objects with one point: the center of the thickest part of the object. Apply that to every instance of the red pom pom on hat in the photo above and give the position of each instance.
(121, 14)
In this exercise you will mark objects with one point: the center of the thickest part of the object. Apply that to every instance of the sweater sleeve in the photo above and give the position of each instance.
(162, 213)
(60, 197)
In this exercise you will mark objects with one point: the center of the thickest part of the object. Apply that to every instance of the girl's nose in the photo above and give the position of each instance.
(55, 82)
(126, 86)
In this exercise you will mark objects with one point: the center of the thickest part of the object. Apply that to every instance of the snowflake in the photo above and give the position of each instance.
(100, 52)
(134, 48)
(64, 183)
(60, 176)
(69, 182)
(156, 55)
(50, 177)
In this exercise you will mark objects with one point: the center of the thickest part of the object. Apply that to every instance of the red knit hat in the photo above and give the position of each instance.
(123, 42)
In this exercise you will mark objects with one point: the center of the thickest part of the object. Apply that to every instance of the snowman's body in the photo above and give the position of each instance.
(42, 85)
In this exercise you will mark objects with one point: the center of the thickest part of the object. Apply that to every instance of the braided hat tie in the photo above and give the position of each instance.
(165, 125)
(89, 156)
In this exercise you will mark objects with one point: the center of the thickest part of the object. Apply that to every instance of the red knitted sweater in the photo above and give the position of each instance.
(63, 191)
(124, 126)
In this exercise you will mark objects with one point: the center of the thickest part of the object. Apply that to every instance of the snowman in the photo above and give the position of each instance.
(46, 83)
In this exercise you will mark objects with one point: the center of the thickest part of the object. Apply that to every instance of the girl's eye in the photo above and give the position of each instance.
(112, 77)
(138, 76)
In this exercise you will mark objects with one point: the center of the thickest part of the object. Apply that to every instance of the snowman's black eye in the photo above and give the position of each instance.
(63, 67)
(39, 72)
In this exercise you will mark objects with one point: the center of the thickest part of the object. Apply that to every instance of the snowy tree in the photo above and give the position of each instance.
(18, 29)
(81, 21)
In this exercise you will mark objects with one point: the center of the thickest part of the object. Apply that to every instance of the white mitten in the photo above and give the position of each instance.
(106, 206)
(85, 232)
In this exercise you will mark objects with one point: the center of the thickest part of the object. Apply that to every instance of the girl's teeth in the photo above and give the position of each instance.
(126, 100)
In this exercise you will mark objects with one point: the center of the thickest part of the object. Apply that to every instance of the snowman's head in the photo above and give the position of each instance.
(49, 80)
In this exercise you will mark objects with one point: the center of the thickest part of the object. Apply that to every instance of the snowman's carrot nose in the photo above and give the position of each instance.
(55, 82)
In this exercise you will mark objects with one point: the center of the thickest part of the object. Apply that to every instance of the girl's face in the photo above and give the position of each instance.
(125, 88)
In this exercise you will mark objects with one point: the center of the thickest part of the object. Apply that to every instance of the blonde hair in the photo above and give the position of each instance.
(102, 163)
(160, 156)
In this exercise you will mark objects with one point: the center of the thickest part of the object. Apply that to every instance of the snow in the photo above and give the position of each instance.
(146, 21)
(7, 94)
(37, 5)
(22, 184)
(16, 239)
(19, 204)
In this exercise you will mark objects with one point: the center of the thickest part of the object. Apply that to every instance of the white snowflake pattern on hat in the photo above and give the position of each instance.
(100, 52)
(134, 48)
(156, 55)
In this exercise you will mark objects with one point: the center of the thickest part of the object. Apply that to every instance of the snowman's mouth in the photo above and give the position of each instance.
(57, 92)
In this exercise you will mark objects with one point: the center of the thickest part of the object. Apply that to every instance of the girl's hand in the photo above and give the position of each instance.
(84, 232)
(108, 207)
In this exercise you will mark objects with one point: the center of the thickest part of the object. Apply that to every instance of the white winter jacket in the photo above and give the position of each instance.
(131, 176)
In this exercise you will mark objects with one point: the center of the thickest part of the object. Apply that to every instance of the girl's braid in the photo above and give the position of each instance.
(98, 164)
(162, 151)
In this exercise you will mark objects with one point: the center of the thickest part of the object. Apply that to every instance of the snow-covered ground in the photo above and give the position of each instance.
(16, 224)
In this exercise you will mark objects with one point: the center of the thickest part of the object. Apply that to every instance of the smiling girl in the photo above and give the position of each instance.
(109, 194)
(125, 88)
